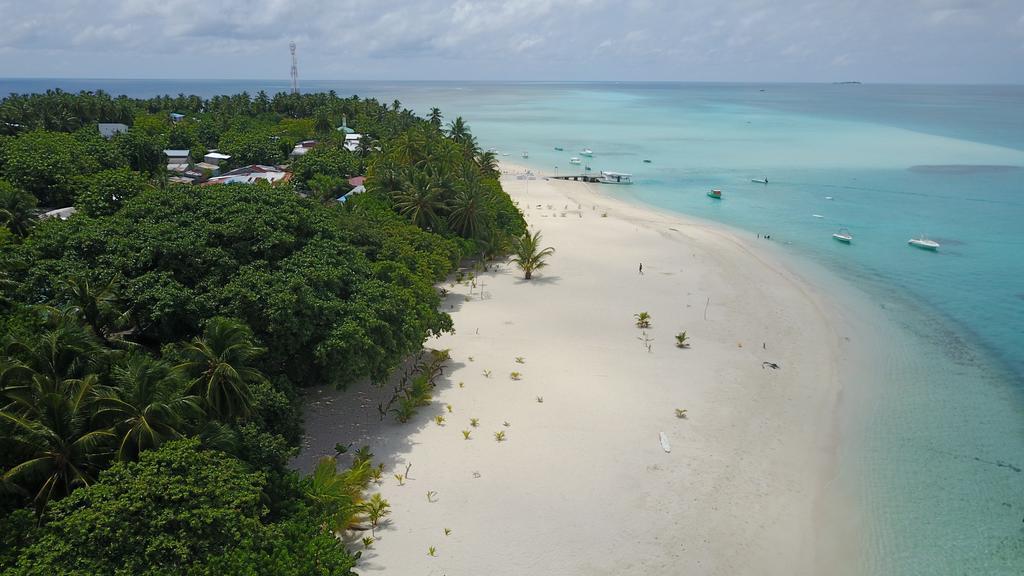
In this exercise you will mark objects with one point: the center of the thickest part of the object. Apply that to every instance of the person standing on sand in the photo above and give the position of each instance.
(641, 268)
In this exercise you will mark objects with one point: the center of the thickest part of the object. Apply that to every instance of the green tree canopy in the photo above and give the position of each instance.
(46, 164)
(103, 193)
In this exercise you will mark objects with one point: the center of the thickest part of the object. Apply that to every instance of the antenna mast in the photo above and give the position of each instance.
(295, 69)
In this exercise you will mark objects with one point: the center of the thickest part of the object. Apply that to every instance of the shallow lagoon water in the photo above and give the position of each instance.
(934, 459)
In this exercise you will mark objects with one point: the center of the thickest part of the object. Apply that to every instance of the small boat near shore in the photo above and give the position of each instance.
(924, 243)
(586, 152)
(574, 160)
(716, 194)
(843, 235)
(559, 148)
(616, 178)
(763, 181)
(526, 154)
(647, 161)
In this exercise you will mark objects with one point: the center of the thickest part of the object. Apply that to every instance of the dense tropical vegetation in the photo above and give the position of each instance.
(155, 342)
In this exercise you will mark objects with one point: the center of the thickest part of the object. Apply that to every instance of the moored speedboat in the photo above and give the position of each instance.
(716, 194)
(526, 154)
(844, 236)
(762, 181)
(559, 148)
(574, 160)
(924, 243)
(586, 152)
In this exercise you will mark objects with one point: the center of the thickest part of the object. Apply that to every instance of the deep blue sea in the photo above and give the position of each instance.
(938, 463)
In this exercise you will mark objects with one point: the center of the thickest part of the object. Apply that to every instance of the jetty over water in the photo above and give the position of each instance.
(578, 178)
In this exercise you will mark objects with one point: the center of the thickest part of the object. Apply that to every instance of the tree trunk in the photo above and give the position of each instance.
(529, 274)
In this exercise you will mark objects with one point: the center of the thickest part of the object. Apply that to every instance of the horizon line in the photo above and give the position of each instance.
(515, 81)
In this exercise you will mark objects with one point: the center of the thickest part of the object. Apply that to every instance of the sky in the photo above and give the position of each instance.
(927, 41)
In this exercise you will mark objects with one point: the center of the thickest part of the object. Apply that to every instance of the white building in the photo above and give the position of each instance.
(302, 148)
(177, 156)
(110, 129)
(352, 142)
(252, 174)
(214, 157)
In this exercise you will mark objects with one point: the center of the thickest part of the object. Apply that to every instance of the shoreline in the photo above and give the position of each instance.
(747, 486)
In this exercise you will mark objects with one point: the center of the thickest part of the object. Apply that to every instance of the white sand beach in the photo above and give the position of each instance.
(582, 484)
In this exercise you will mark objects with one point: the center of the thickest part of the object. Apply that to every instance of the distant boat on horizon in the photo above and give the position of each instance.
(559, 148)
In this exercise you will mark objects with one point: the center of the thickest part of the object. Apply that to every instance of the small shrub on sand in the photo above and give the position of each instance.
(540, 399)
(474, 422)
(465, 434)
(682, 340)
(499, 436)
(680, 412)
(643, 320)
(432, 551)
(439, 420)
(515, 376)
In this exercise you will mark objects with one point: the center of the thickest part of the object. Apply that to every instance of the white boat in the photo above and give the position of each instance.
(526, 154)
(764, 181)
(586, 152)
(924, 243)
(574, 160)
(843, 236)
(616, 178)
(716, 194)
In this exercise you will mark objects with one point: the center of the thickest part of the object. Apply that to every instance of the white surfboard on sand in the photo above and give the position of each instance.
(664, 442)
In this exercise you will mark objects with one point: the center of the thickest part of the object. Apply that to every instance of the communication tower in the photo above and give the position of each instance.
(295, 69)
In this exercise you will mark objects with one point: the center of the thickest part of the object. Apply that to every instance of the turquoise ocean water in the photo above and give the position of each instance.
(937, 462)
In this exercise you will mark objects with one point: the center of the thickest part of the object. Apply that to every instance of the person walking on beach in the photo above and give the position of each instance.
(641, 268)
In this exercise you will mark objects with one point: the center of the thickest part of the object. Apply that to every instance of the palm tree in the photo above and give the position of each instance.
(17, 209)
(458, 130)
(63, 350)
(326, 188)
(528, 254)
(53, 424)
(218, 365)
(322, 122)
(488, 164)
(419, 200)
(435, 117)
(338, 496)
(468, 208)
(96, 306)
(149, 407)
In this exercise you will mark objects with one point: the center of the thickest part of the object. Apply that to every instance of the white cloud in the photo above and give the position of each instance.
(737, 39)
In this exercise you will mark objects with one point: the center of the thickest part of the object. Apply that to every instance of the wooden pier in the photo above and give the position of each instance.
(579, 178)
